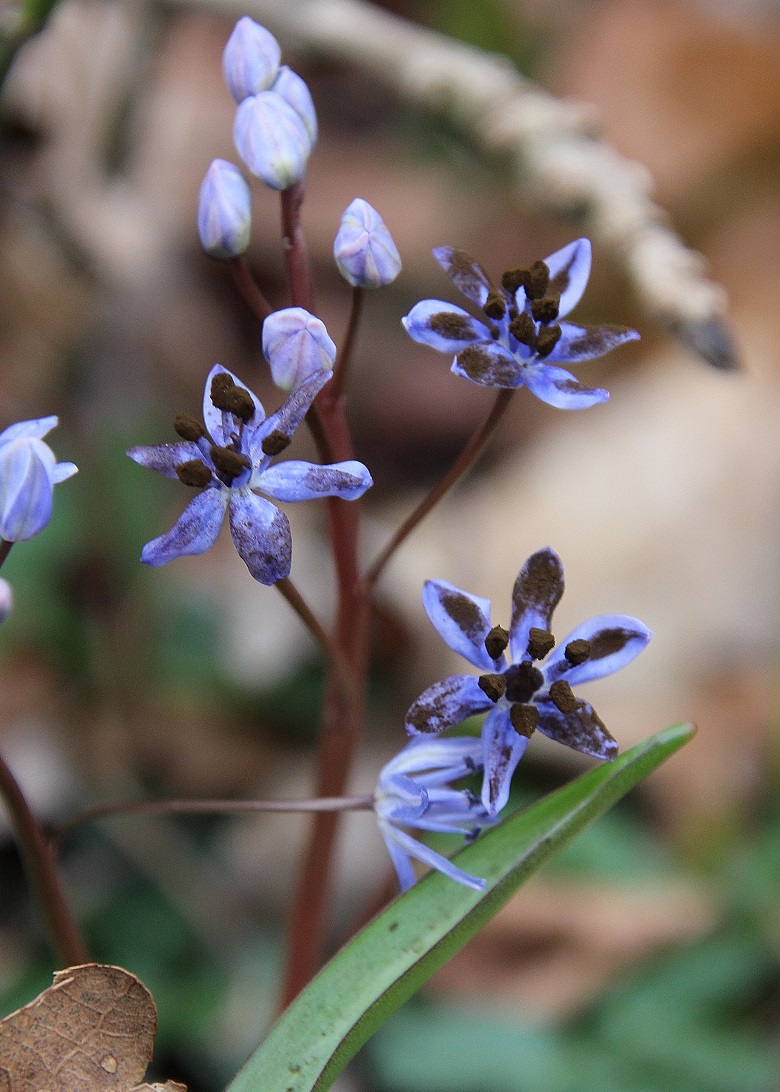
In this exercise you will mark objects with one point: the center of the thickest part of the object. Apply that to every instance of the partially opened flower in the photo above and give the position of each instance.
(520, 339)
(296, 344)
(414, 790)
(28, 473)
(532, 687)
(363, 249)
(229, 462)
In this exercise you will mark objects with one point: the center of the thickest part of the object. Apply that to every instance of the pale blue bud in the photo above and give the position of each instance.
(296, 345)
(224, 214)
(363, 248)
(289, 86)
(250, 60)
(6, 599)
(28, 474)
(272, 140)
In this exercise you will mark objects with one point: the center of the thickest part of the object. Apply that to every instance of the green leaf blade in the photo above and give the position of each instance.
(403, 946)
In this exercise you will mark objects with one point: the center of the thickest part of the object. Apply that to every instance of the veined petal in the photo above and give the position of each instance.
(193, 533)
(219, 423)
(569, 271)
(465, 272)
(614, 639)
(271, 138)
(262, 537)
(296, 344)
(435, 761)
(295, 480)
(290, 87)
(427, 856)
(560, 388)
(582, 729)
(502, 749)
(490, 365)
(289, 415)
(463, 621)
(37, 429)
(587, 342)
(536, 594)
(446, 703)
(25, 489)
(164, 458)
(401, 860)
(444, 326)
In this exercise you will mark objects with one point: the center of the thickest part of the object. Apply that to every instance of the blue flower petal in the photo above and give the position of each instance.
(35, 429)
(399, 844)
(295, 480)
(581, 729)
(271, 138)
(435, 761)
(587, 342)
(560, 388)
(465, 272)
(25, 489)
(446, 703)
(615, 640)
(165, 458)
(569, 271)
(463, 621)
(536, 594)
(444, 326)
(490, 365)
(63, 471)
(262, 537)
(502, 749)
(193, 533)
(288, 417)
(401, 860)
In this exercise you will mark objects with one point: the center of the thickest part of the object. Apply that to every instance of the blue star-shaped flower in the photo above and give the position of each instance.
(230, 462)
(521, 339)
(533, 690)
(414, 791)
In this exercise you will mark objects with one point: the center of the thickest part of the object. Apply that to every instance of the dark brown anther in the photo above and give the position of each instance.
(225, 395)
(230, 463)
(546, 340)
(522, 681)
(537, 280)
(194, 473)
(540, 641)
(546, 309)
(577, 652)
(275, 442)
(524, 718)
(188, 428)
(492, 685)
(523, 329)
(512, 279)
(496, 641)
(495, 305)
(562, 697)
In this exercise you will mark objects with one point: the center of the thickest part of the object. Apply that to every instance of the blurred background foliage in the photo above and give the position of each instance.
(647, 958)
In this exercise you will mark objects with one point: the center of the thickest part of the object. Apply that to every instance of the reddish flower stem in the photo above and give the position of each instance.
(295, 254)
(247, 286)
(341, 367)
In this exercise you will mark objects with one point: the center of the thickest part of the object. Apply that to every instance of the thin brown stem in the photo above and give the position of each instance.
(207, 807)
(295, 253)
(465, 460)
(341, 367)
(41, 869)
(248, 287)
(5, 549)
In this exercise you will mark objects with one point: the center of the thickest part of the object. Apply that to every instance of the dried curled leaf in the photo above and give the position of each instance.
(93, 1029)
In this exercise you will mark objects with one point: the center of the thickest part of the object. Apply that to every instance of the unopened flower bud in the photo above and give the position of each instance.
(28, 474)
(6, 599)
(296, 344)
(364, 250)
(289, 86)
(250, 60)
(272, 140)
(224, 215)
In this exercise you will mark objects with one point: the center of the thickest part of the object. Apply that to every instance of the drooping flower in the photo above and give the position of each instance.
(364, 249)
(224, 211)
(28, 473)
(414, 790)
(520, 340)
(296, 344)
(530, 689)
(229, 461)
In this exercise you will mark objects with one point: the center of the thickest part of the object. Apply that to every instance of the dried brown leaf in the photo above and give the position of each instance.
(93, 1029)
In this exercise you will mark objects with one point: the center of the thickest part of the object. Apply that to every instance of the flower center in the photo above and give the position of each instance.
(522, 681)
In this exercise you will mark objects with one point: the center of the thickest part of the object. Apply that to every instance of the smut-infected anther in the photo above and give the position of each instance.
(230, 463)
(275, 442)
(193, 473)
(546, 340)
(496, 641)
(562, 697)
(546, 309)
(492, 685)
(225, 395)
(577, 652)
(524, 718)
(522, 681)
(188, 428)
(540, 642)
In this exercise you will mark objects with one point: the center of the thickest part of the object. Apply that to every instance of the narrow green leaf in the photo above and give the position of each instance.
(403, 946)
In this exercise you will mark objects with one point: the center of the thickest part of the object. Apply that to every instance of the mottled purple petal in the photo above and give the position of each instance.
(261, 534)
(502, 749)
(405, 844)
(193, 533)
(569, 271)
(295, 480)
(581, 729)
(614, 639)
(289, 415)
(446, 703)
(444, 326)
(463, 621)
(560, 388)
(490, 365)
(164, 458)
(536, 594)
(37, 429)
(587, 342)
(465, 272)
(220, 424)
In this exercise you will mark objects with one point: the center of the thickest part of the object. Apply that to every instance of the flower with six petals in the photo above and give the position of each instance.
(28, 473)
(520, 339)
(532, 687)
